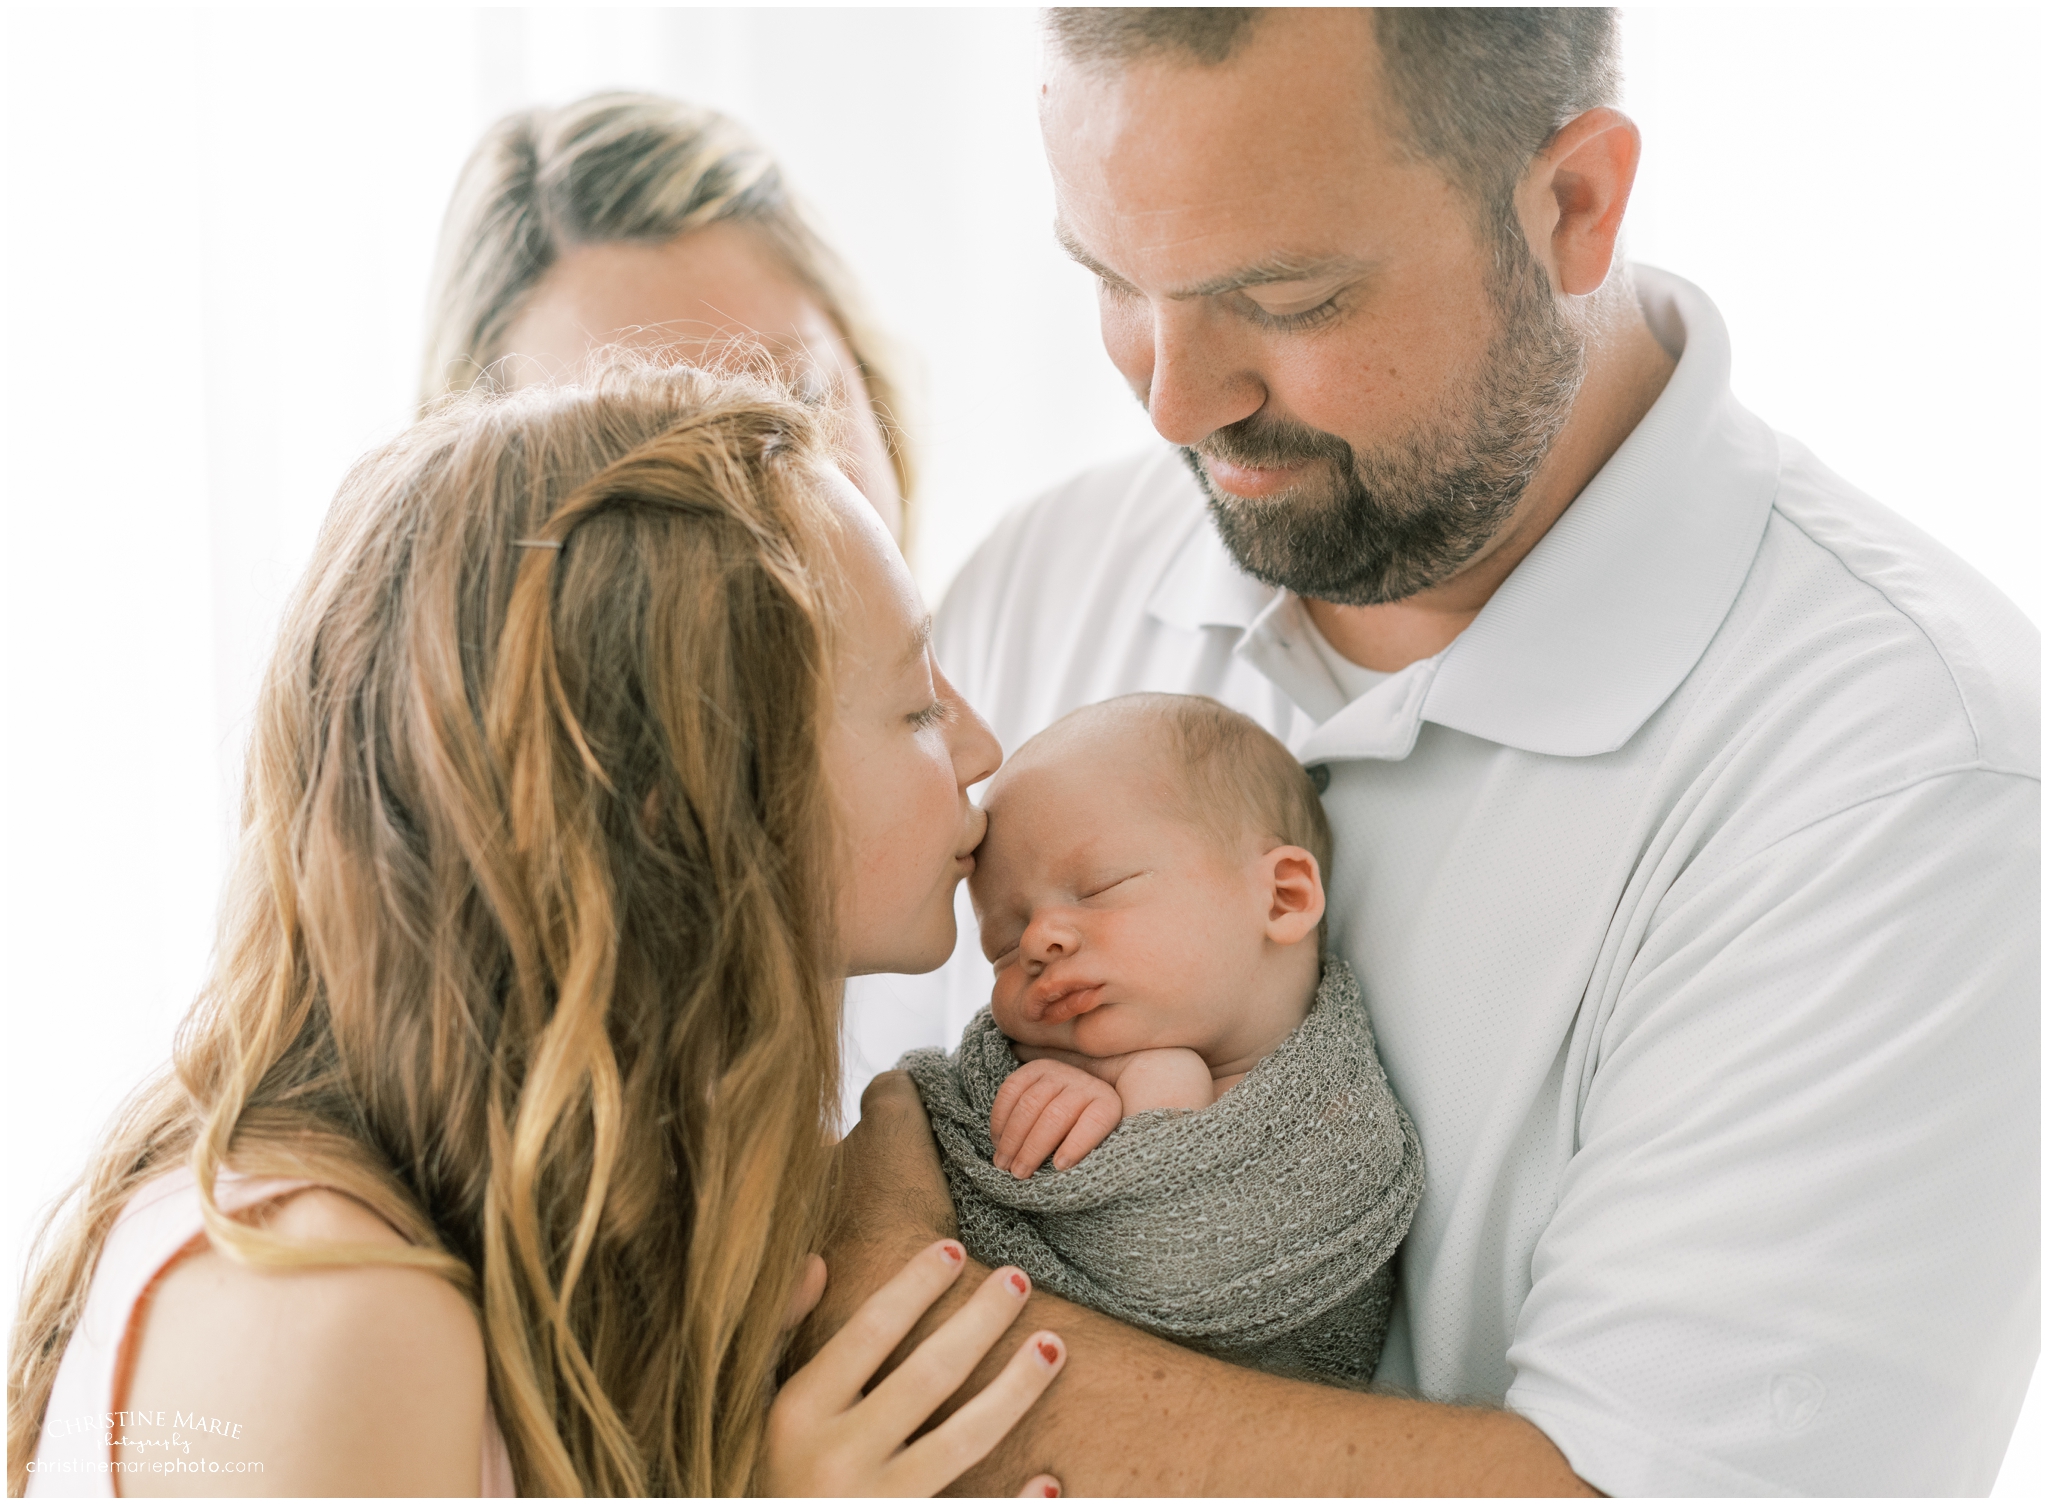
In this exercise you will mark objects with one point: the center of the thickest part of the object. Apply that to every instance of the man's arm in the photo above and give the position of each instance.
(1134, 1414)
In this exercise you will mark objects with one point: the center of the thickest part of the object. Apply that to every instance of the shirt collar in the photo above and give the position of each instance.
(1598, 624)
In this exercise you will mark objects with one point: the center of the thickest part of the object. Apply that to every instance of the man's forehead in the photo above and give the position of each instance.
(1196, 170)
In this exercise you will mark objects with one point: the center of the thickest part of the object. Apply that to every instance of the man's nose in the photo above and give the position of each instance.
(1198, 380)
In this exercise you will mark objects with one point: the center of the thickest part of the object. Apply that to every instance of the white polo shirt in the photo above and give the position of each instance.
(1694, 891)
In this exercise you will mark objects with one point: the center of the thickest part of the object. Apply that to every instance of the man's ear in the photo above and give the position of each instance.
(1296, 906)
(1574, 195)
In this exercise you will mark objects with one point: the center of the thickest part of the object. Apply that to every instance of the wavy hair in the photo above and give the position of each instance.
(528, 945)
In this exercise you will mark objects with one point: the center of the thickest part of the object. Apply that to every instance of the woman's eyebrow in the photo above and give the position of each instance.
(920, 641)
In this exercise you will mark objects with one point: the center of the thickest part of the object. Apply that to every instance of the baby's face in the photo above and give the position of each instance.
(1113, 922)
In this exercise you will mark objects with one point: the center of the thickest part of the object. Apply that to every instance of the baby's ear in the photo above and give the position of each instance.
(1296, 906)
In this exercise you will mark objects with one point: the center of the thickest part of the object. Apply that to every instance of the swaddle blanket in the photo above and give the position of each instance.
(1257, 1229)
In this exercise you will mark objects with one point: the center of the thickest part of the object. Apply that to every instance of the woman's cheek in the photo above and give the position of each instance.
(941, 795)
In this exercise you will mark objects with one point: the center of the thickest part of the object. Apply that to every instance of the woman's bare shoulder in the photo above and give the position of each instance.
(346, 1380)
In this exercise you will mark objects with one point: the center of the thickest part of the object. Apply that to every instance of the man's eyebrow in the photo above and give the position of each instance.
(1277, 268)
(1280, 267)
(1071, 244)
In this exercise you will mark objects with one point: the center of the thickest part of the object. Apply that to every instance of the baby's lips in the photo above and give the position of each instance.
(1069, 1003)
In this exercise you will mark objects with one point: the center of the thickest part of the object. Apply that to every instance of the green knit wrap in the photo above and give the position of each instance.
(1258, 1229)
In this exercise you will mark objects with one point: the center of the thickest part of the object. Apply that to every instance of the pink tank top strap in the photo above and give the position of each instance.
(74, 1457)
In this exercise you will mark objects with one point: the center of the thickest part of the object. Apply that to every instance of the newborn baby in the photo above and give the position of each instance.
(1172, 1111)
(1152, 911)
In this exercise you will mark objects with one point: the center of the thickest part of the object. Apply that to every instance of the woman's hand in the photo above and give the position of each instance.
(826, 1438)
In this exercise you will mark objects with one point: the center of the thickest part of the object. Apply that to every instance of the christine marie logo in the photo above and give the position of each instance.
(106, 1423)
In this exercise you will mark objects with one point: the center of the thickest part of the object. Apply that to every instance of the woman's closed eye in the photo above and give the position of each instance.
(936, 714)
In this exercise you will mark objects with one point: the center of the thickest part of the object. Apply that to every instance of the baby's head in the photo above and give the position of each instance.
(1153, 876)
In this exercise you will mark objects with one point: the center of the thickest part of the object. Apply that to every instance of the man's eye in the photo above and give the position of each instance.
(1307, 318)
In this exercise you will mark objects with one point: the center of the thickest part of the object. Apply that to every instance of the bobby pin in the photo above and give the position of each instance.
(535, 543)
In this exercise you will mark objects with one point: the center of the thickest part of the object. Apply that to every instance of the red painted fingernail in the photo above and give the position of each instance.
(1048, 1351)
(1050, 1491)
(1019, 1283)
(952, 1253)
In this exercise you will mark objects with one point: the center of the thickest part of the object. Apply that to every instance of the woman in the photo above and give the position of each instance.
(600, 745)
(637, 220)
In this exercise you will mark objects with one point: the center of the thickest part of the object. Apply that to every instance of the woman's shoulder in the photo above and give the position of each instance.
(353, 1379)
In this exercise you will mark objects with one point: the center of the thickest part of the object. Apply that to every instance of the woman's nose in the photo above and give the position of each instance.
(976, 752)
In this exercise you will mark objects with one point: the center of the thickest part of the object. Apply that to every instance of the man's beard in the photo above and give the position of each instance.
(1406, 515)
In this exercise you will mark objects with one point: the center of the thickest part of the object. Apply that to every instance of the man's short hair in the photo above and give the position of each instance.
(1477, 91)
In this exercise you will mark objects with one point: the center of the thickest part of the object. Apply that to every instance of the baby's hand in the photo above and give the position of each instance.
(1048, 1107)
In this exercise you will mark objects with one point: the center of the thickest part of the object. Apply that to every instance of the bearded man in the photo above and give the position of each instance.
(1686, 801)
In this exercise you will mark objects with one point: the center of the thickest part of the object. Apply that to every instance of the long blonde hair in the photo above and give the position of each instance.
(528, 945)
(625, 167)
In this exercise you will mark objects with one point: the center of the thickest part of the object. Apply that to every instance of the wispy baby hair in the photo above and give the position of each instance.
(1236, 774)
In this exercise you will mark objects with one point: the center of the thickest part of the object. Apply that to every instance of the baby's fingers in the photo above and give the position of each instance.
(971, 1433)
(1005, 1106)
(1099, 1116)
(1013, 1125)
(1038, 1137)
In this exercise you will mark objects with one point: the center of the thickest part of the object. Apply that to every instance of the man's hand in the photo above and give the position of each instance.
(1047, 1107)
(1135, 1414)
(891, 1201)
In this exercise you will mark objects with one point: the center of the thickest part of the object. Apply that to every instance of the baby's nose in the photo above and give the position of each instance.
(1041, 944)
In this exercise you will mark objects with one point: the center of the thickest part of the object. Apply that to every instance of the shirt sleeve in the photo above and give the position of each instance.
(1797, 1245)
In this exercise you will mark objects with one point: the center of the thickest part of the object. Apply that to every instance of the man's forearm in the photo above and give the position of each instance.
(1136, 1415)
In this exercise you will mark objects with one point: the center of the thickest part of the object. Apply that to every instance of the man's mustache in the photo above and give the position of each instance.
(1270, 445)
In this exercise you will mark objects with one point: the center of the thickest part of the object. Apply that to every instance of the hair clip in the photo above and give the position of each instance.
(536, 543)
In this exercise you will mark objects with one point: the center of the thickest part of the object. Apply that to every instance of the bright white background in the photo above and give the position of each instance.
(217, 235)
